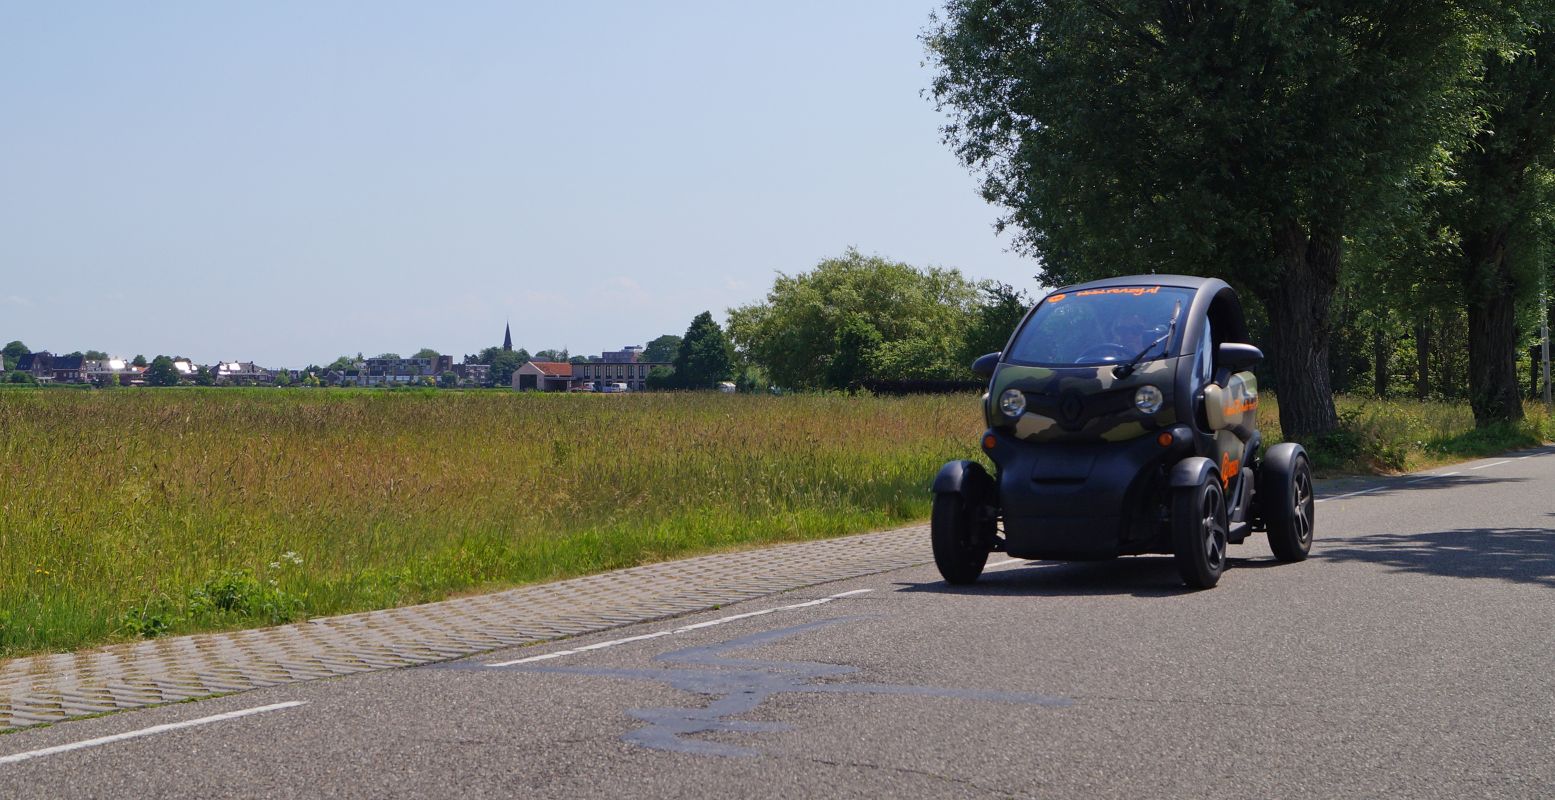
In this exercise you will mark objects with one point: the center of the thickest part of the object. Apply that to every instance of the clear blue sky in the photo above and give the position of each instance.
(285, 182)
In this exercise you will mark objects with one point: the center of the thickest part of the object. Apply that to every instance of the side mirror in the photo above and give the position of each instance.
(985, 364)
(1237, 357)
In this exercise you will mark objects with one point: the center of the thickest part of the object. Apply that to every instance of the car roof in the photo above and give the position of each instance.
(1179, 281)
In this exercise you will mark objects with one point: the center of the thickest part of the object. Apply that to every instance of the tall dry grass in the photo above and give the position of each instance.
(140, 512)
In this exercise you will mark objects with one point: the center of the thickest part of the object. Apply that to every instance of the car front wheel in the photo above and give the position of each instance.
(961, 539)
(1199, 532)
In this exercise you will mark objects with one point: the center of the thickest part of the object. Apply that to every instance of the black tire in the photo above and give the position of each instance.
(961, 541)
(1199, 532)
(1288, 507)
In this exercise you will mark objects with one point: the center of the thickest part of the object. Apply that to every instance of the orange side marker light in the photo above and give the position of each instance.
(989, 441)
(1165, 439)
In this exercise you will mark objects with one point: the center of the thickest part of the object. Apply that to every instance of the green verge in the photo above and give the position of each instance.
(147, 512)
(1384, 437)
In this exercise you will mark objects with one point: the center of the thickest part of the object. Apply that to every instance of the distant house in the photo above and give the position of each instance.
(241, 373)
(543, 376)
(114, 370)
(626, 355)
(49, 368)
(598, 374)
(472, 374)
(398, 371)
(344, 377)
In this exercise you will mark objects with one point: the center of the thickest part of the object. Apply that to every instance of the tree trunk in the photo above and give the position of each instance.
(1423, 358)
(1298, 306)
(1379, 362)
(1446, 357)
(1492, 331)
(1535, 354)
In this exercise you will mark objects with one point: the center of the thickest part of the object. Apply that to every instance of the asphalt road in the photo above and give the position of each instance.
(1412, 656)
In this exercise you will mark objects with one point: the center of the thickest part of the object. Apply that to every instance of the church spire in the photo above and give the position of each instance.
(507, 337)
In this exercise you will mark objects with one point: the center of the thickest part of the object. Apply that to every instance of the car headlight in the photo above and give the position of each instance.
(1012, 403)
(1148, 399)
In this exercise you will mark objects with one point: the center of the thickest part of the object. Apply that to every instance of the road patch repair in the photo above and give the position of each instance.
(739, 686)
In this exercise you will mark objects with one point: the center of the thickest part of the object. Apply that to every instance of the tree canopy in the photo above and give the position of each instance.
(12, 351)
(662, 350)
(1246, 140)
(854, 317)
(704, 357)
(161, 372)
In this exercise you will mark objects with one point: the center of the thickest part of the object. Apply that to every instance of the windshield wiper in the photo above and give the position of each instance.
(1125, 370)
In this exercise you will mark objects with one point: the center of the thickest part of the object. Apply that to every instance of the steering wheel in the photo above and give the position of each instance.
(1105, 353)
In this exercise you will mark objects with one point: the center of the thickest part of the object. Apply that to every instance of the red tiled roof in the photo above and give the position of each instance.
(554, 369)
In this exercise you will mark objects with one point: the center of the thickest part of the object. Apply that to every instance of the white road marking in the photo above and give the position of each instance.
(151, 731)
(1351, 494)
(698, 626)
(1416, 480)
(1439, 475)
(1496, 464)
(1009, 562)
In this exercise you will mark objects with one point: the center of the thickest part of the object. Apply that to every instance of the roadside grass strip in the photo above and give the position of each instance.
(683, 629)
(151, 731)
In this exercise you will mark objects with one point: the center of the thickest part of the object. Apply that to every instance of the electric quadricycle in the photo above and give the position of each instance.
(1122, 420)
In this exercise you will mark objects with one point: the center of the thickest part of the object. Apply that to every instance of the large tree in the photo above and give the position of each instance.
(162, 372)
(809, 333)
(704, 357)
(1000, 310)
(662, 350)
(1245, 139)
(12, 351)
(504, 363)
(1501, 212)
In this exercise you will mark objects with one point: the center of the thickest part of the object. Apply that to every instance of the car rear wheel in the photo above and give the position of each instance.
(1199, 532)
(961, 538)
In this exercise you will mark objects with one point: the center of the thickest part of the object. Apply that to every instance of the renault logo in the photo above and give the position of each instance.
(1070, 408)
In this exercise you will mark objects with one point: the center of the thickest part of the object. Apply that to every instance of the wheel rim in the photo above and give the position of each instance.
(1301, 513)
(1214, 531)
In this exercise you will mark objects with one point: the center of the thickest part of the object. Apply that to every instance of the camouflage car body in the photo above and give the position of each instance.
(1082, 473)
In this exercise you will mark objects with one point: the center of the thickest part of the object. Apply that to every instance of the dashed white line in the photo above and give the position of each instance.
(1496, 464)
(1416, 480)
(1434, 477)
(1351, 494)
(151, 731)
(698, 626)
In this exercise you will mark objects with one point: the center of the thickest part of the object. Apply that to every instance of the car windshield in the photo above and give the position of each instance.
(1099, 326)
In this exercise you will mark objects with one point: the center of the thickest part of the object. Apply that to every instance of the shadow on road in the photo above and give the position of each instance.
(1520, 555)
(1140, 576)
(1337, 490)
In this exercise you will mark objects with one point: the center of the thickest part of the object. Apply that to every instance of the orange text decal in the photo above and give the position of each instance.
(1239, 406)
(1229, 467)
(1057, 297)
(1133, 290)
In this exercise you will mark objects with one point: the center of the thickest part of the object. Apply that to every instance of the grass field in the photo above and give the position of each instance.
(144, 512)
(141, 512)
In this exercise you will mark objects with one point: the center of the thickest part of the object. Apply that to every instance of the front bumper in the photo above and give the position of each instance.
(1082, 501)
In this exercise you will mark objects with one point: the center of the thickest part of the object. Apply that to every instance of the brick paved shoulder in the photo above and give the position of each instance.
(51, 688)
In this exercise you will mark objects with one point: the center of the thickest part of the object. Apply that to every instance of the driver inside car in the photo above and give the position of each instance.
(1131, 333)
